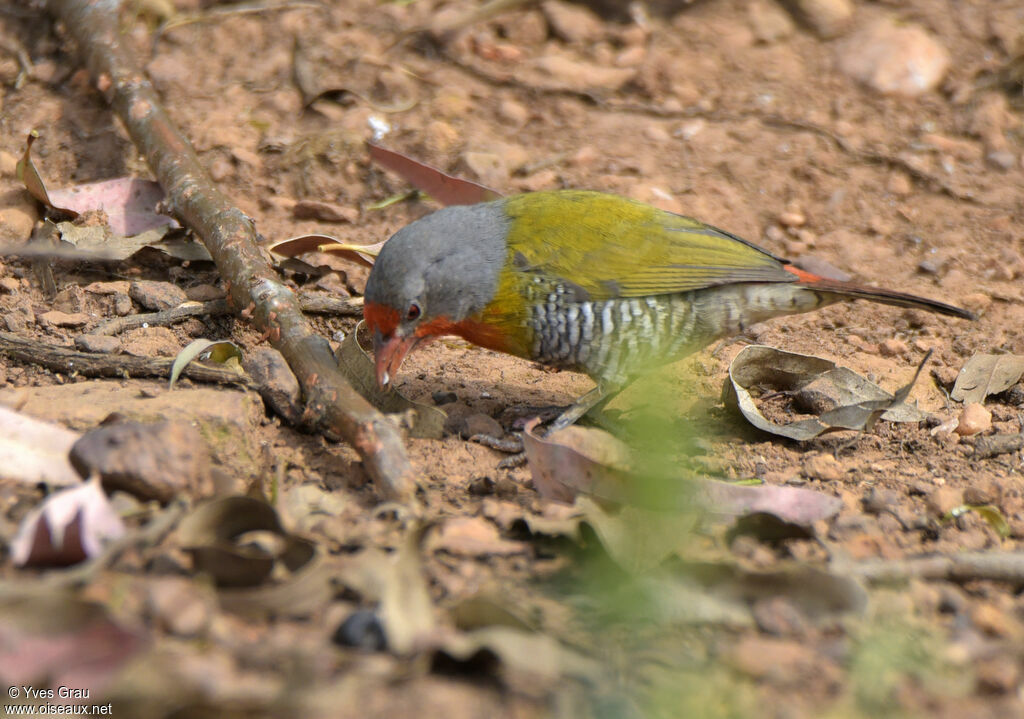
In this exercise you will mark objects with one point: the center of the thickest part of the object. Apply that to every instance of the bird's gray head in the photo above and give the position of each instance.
(431, 274)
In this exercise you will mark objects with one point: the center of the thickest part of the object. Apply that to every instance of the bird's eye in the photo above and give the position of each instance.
(413, 312)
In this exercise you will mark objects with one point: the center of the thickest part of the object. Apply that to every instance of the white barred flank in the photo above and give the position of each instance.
(614, 340)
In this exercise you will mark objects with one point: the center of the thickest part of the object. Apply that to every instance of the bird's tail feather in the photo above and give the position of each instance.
(875, 294)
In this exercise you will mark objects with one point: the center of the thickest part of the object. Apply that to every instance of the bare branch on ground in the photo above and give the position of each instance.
(233, 242)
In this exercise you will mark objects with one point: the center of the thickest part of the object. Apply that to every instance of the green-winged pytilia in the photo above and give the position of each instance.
(585, 281)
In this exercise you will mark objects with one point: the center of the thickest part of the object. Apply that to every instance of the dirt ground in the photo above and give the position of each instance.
(738, 113)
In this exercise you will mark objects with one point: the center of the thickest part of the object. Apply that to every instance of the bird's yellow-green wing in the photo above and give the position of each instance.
(609, 246)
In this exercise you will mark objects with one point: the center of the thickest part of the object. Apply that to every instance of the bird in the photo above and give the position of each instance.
(585, 281)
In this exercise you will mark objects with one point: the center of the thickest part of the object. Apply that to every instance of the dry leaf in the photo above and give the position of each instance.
(68, 527)
(858, 403)
(33, 451)
(986, 374)
(444, 188)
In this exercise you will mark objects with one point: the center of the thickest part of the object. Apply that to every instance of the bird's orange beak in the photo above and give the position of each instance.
(388, 355)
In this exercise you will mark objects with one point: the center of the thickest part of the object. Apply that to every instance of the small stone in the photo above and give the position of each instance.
(489, 167)
(108, 288)
(1002, 159)
(879, 501)
(513, 113)
(899, 184)
(16, 222)
(782, 660)
(792, 218)
(631, 56)
(828, 18)
(943, 500)
(122, 305)
(779, 616)
(823, 467)
(444, 397)
(181, 606)
(101, 344)
(156, 295)
(997, 675)
(583, 76)
(56, 318)
(973, 419)
(976, 302)
(768, 21)
(983, 491)
(543, 180)
(148, 461)
(204, 293)
(10, 285)
(657, 133)
(893, 347)
(8, 164)
(572, 23)
(894, 59)
(278, 385)
(481, 487)
(151, 341)
(324, 211)
(585, 156)
(440, 138)
(482, 424)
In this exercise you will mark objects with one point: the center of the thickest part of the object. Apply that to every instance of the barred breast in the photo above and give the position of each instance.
(617, 339)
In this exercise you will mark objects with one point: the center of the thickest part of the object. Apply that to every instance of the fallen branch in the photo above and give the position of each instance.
(232, 240)
(960, 567)
(88, 364)
(343, 306)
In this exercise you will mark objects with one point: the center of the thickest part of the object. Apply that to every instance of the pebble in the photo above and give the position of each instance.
(572, 23)
(122, 305)
(581, 75)
(101, 344)
(768, 21)
(828, 18)
(10, 285)
(482, 424)
(513, 113)
(1001, 159)
(823, 467)
(585, 156)
(156, 295)
(657, 133)
(444, 397)
(16, 222)
(792, 218)
(893, 347)
(204, 293)
(8, 164)
(974, 418)
(894, 59)
(440, 138)
(56, 318)
(983, 491)
(489, 167)
(899, 184)
(997, 675)
(976, 301)
(324, 211)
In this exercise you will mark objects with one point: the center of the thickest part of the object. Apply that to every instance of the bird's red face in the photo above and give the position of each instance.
(395, 335)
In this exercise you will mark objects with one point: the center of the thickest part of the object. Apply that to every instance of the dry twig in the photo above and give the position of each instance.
(234, 245)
